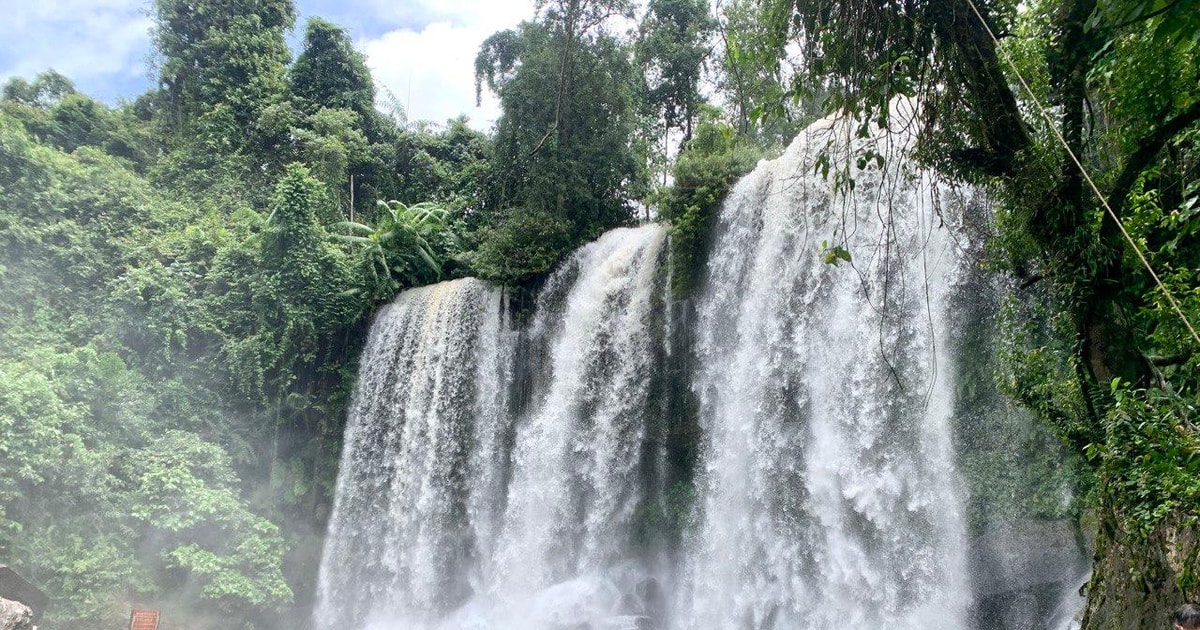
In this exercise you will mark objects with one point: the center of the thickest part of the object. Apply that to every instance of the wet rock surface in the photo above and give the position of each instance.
(1023, 574)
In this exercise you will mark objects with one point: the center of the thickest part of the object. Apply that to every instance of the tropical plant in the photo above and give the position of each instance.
(409, 245)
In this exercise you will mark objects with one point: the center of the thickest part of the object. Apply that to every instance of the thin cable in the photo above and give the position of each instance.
(1086, 176)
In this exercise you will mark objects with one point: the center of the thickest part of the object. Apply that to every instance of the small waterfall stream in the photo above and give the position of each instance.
(508, 474)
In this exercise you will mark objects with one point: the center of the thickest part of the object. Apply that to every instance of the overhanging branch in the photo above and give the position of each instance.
(1147, 150)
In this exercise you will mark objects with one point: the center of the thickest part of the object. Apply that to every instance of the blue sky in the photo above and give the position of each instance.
(419, 51)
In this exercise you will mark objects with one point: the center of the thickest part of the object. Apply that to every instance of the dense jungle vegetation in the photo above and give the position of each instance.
(186, 278)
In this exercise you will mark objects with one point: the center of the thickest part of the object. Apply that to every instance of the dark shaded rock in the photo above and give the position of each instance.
(1024, 554)
(629, 605)
(1022, 571)
(1136, 580)
(653, 601)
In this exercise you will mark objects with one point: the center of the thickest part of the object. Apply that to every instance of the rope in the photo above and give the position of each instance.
(1086, 176)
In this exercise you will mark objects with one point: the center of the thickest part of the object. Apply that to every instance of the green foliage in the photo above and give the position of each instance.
(832, 255)
(498, 59)
(294, 237)
(47, 88)
(78, 120)
(186, 488)
(1142, 81)
(408, 246)
(857, 57)
(450, 166)
(329, 73)
(221, 63)
(117, 470)
(94, 507)
(1173, 23)
(328, 142)
(671, 49)
(753, 79)
(523, 244)
(564, 147)
(1150, 459)
(282, 320)
(703, 175)
(52, 110)
(1121, 415)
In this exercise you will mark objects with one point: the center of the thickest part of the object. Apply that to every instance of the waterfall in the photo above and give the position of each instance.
(578, 459)
(828, 491)
(505, 470)
(418, 467)
(459, 505)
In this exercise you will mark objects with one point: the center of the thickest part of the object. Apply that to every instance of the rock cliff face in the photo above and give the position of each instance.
(1027, 575)
(1138, 582)
(15, 616)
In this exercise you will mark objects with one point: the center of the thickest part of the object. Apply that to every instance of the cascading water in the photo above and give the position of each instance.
(828, 492)
(457, 508)
(578, 460)
(418, 465)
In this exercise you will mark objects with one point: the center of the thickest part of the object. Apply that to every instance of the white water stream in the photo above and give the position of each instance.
(829, 496)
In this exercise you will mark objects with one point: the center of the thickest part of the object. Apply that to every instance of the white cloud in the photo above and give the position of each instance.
(458, 12)
(89, 41)
(426, 62)
(431, 72)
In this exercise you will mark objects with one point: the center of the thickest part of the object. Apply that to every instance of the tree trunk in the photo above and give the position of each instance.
(978, 68)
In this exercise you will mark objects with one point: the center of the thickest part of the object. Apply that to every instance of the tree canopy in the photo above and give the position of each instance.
(565, 148)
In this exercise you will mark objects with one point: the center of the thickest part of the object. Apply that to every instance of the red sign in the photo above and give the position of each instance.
(143, 619)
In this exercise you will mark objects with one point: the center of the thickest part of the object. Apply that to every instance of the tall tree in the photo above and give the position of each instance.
(343, 138)
(330, 73)
(757, 91)
(566, 144)
(221, 62)
(573, 22)
(671, 50)
(48, 88)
